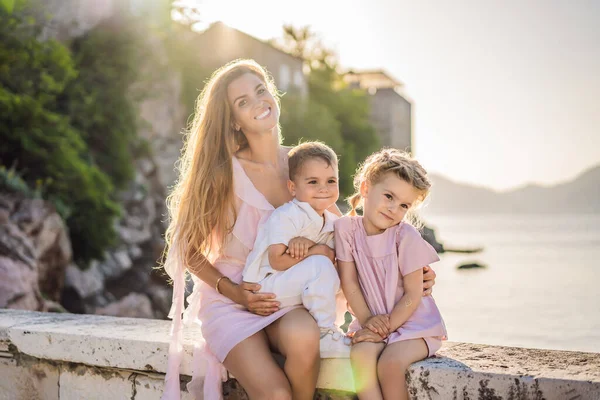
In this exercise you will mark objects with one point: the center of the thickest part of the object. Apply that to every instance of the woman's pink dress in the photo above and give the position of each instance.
(381, 262)
(224, 323)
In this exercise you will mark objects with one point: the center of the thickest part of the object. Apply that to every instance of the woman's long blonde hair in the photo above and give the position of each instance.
(398, 162)
(201, 205)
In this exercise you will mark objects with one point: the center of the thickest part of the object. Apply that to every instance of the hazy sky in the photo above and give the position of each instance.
(505, 92)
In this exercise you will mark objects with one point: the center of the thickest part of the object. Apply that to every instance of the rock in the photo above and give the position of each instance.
(122, 259)
(4, 216)
(115, 264)
(135, 252)
(470, 266)
(162, 298)
(429, 235)
(146, 166)
(133, 236)
(36, 236)
(54, 253)
(84, 283)
(134, 305)
(19, 286)
(30, 215)
(16, 245)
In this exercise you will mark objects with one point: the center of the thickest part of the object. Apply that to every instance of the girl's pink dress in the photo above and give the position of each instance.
(381, 261)
(224, 323)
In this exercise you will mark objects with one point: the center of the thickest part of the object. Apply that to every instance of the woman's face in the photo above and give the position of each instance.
(255, 110)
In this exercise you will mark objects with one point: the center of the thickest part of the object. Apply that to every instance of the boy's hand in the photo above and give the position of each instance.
(379, 324)
(298, 247)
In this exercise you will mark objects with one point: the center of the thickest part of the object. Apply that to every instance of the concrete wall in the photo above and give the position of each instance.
(391, 116)
(225, 44)
(68, 356)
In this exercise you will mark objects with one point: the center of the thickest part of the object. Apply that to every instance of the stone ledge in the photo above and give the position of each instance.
(461, 371)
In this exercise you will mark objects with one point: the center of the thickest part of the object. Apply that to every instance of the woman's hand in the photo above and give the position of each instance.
(379, 324)
(257, 303)
(366, 335)
(428, 280)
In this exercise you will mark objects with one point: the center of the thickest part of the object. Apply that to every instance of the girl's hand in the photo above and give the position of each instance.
(257, 303)
(366, 335)
(379, 324)
(428, 280)
(298, 247)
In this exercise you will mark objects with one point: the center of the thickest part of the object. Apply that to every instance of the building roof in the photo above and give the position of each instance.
(377, 79)
(219, 25)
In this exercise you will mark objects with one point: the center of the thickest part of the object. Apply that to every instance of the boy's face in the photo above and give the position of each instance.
(316, 184)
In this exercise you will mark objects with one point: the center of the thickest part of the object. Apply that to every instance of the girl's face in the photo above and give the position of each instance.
(254, 107)
(386, 202)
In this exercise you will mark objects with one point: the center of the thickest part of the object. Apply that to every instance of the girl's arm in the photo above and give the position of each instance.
(413, 292)
(243, 294)
(352, 291)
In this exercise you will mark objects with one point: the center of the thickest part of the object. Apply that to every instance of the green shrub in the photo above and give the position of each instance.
(41, 143)
(100, 102)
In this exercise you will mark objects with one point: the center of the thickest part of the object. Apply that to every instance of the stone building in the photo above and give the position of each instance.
(391, 111)
(221, 44)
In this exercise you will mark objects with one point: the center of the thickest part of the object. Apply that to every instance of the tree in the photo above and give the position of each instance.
(39, 141)
(334, 112)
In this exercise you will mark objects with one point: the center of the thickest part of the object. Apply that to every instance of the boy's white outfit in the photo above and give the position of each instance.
(313, 282)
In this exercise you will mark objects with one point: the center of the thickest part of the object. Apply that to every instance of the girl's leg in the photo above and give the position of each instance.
(363, 358)
(393, 364)
(252, 364)
(296, 337)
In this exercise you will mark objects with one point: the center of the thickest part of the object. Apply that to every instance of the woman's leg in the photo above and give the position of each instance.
(252, 364)
(393, 364)
(363, 358)
(296, 337)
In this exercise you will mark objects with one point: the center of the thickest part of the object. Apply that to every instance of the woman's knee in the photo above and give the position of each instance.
(304, 344)
(299, 336)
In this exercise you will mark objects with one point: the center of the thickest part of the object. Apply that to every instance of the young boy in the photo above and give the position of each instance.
(293, 252)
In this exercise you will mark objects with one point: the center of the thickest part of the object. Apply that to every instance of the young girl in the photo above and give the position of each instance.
(380, 260)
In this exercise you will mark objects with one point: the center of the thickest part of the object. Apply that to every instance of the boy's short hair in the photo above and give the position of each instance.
(307, 151)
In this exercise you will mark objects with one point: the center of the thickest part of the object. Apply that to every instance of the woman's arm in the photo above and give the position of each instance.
(413, 289)
(244, 294)
(428, 280)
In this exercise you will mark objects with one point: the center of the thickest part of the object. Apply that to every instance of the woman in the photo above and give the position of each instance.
(233, 174)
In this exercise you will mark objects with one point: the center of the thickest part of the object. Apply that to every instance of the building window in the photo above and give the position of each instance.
(284, 77)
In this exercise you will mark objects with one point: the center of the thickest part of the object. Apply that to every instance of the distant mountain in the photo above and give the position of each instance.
(581, 195)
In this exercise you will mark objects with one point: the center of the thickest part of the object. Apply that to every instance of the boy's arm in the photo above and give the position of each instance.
(279, 259)
(352, 292)
(413, 292)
